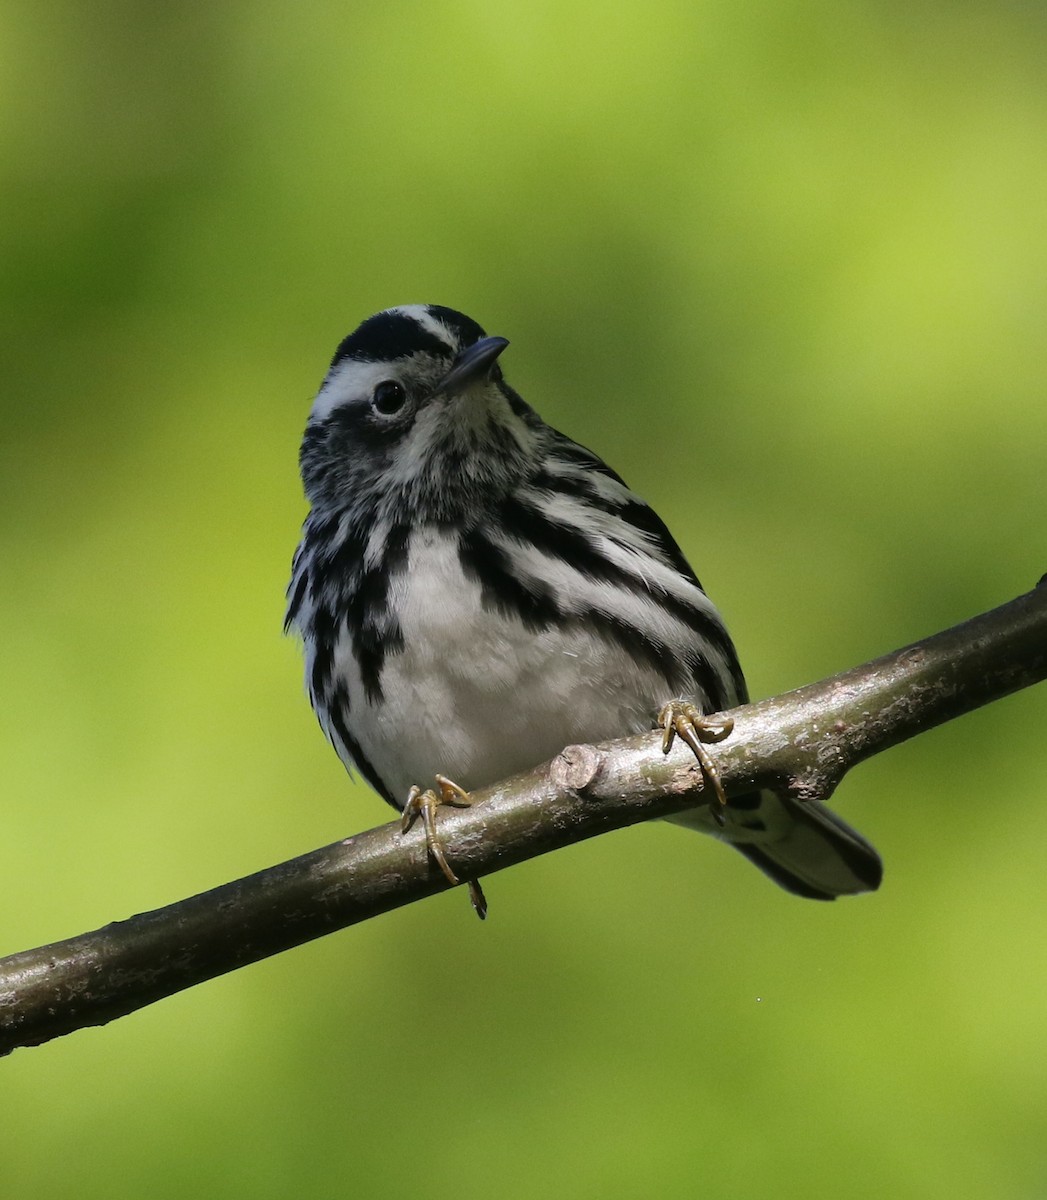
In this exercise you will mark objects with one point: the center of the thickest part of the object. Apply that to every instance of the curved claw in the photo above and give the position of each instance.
(479, 900)
(424, 804)
(681, 718)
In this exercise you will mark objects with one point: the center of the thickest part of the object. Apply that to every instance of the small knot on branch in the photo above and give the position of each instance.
(575, 768)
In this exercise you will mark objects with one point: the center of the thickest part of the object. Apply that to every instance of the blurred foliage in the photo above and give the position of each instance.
(785, 266)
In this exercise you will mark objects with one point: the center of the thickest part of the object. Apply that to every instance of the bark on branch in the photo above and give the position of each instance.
(803, 742)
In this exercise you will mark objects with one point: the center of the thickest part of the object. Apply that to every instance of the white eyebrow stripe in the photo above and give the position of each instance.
(349, 380)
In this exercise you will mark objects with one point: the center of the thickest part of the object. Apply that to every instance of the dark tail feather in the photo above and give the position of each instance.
(804, 847)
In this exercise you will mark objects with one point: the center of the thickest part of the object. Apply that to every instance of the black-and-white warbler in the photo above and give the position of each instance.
(475, 591)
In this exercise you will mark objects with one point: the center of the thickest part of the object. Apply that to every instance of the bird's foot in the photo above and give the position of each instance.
(681, 718)
(424, 804)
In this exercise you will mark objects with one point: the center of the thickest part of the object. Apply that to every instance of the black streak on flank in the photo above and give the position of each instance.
(578, 455)
(573, 546)
(375, 630)
(337, 710)
(300, 584)
(641, 516)
(488, 565)
(325, 633)
(578, 485)
(340, 556)
(536, 607)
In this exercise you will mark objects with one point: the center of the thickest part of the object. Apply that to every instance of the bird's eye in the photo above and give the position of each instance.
(389, 397)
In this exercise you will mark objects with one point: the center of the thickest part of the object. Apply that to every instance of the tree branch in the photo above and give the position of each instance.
(802, 742)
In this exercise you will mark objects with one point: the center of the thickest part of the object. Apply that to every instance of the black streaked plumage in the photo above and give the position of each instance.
(461, 555)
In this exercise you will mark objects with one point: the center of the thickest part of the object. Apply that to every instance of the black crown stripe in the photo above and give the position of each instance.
(464, 328)
(388, 336)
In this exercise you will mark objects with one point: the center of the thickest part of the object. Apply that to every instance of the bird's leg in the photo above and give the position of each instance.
(686, 720)
(425, 804)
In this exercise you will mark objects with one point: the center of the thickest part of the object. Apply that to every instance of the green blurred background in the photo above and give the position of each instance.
(785, 266)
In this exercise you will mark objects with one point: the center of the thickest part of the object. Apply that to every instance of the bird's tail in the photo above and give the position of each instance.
(803, 846)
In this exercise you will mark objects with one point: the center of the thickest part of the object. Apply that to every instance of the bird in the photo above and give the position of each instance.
(462, 559)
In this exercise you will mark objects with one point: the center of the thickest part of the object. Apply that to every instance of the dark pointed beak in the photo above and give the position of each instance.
(473, 363)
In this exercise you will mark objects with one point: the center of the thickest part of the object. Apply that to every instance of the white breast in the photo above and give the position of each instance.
(477, 696)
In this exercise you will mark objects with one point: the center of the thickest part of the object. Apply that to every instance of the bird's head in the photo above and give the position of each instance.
(414, 417)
